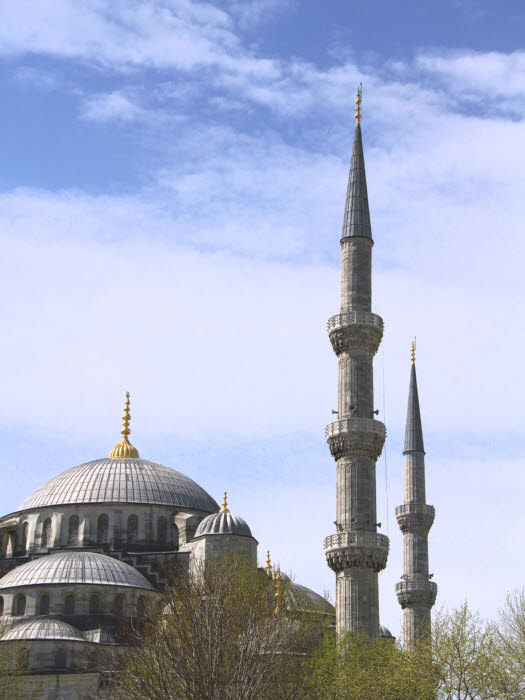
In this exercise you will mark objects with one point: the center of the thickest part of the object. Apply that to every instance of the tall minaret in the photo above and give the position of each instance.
(416, 593)
(356, 553)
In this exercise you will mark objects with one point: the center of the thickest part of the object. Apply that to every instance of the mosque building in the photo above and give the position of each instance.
(95, 544)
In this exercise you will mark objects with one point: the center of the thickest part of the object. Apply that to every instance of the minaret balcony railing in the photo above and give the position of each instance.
(416, 593)
(356, 436)
(415, 517)
(364, 550)
(355, 331)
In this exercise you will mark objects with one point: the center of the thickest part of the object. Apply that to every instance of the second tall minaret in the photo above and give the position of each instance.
(416, 593)
(356, 552)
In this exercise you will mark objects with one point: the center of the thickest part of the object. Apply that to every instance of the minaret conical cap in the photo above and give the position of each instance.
(357, 213)
(414, 430)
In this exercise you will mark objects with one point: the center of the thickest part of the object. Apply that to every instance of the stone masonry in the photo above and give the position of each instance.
(416, 593)
(357, 552)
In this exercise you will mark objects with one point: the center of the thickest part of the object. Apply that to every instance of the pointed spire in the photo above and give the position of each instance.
(124, 448)
(357, 213)
(224, 508)
(414, 430)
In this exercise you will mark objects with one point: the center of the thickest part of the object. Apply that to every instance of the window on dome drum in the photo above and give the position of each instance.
(72, 535)
(175, 536)
(60, 658)
(118, 606)
(23, 537)
(133, 529)
(69, 605)
(94, 604)
(19, 604)
(141, 606)
(103, 529)
(47, 532)
(162, 530)
(1, 605)
(43, 605)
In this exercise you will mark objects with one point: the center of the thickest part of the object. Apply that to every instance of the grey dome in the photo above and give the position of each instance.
(43, 628)
(75, 567)
(303, 598)
(223, 524)
(385, 632)
(126, 480)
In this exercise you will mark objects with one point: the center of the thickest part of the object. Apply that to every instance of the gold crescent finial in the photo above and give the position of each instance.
(413, 352)
(224, 508)
(268, 561)
(124, 448)
(278, 594)
(358, 103)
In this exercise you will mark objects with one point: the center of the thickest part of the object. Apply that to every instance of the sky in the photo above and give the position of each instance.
(172, 186)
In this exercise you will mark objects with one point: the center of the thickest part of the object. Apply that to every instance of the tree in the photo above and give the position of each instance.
(511, 631)
(13, 664)
(221, 634)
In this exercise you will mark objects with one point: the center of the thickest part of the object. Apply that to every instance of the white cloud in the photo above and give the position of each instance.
(114, 105)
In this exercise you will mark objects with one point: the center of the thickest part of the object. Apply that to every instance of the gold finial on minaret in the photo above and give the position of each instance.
(413, 352)
(224, 508)
(278, 594)
(358, 103)
(124, 448)
(268, 564)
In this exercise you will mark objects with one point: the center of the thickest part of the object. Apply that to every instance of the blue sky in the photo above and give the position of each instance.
(172, 182)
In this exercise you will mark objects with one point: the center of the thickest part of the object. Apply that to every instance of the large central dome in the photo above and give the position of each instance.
(125, 480)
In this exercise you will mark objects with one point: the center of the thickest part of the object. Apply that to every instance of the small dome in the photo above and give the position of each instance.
(43, 628)
(75, 567)
(385, 632)
(121, 480)
(223, 524)
(306, 599)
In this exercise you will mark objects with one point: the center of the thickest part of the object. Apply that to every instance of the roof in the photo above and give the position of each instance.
(126, 480)
(223, 524)
(43, 628)
(357, 213)
(414, 430)
(74, 567)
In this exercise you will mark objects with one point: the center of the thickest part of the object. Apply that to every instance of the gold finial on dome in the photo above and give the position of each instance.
(278, 594)
(413, 352)
(268, 564)
(224, 508)
(358, 103)
(124, 448)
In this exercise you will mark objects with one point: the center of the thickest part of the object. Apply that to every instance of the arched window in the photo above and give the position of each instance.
(47, 532)
(133, 529)
(94, 604)
(43, 604)
(162, 530)
(1, 605)
(60, 658)
(119, 606)
(69, 605)
(72, 533)
(23, 537)
(175, 536)
(141, 606)
(103, 529)
(19, 604)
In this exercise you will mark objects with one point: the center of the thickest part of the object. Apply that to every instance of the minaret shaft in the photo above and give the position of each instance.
(356, 553)
(416, 593)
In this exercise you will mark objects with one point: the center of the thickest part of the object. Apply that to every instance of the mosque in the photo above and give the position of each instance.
(92, 546)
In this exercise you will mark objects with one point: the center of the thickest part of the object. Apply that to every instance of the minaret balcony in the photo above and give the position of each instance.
(415, 517)
(416, 593)
(360, 331)
(356, 436)
(363, 550)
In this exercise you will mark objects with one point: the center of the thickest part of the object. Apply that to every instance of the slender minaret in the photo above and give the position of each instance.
(356, 553)
(416, 593)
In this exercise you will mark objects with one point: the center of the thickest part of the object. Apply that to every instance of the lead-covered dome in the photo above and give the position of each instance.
(223, 523)
(75, 567)
(125, 480)
(43, 628)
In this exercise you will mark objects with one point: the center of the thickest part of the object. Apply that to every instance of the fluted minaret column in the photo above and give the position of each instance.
(416, 593)
(356, 553)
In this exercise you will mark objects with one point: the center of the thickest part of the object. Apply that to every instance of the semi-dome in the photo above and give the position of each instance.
(43, 628)
(121, 480)
(223, 523)
(75, 567)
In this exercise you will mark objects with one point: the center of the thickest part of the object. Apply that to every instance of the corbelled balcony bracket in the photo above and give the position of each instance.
(416, 593)
(357, 331)
(363, 550)
(356, 436)
(415, 517)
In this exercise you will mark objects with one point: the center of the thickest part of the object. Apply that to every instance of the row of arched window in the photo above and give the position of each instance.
(132, 531)
(118, 606)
